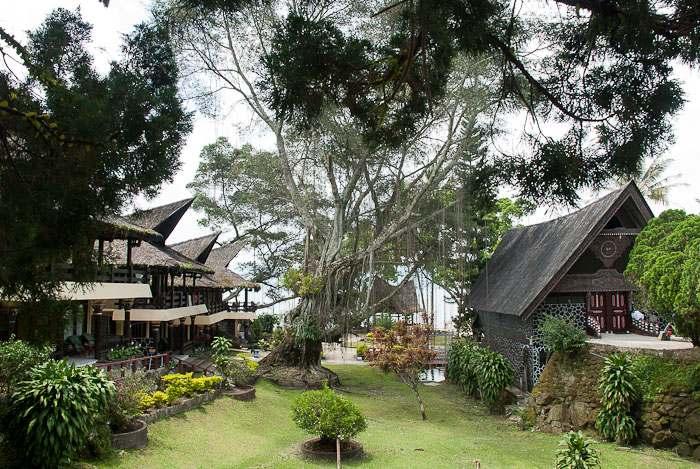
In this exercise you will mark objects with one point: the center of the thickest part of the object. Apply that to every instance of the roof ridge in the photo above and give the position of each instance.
(213, 233)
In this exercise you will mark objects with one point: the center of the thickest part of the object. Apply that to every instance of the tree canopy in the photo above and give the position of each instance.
(593, 79)
(75, 145)
(665, 262)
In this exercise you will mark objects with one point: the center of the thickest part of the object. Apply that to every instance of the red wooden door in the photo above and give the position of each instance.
(596, 309)
(617, 311)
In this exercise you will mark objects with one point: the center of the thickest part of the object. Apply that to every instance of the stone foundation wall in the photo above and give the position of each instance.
(567, 398)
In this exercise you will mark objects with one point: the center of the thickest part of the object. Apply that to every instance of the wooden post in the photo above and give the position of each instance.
(182, 336)
(172, 289)
(337, 453)
(129, 264)
(127, 320)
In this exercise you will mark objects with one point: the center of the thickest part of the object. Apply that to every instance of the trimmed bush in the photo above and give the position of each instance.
(178, 385)
(361, 349)
(576, 452)
(619, 390)
(56, 409)
(562, 335)
(328, 415)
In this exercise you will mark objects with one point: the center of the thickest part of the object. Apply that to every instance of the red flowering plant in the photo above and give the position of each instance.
(404, 350)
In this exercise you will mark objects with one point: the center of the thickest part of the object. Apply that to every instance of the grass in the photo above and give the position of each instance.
(233, 434)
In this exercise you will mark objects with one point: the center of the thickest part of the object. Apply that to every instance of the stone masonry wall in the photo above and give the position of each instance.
(566, 398)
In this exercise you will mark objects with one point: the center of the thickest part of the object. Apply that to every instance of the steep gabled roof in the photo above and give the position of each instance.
(531, 260)
(152, 255)
(218, 261)
(197, 248)
(116, 227)
(222, 256)
(162, 219)
(404, 301)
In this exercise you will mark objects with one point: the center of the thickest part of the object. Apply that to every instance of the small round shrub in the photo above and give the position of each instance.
(562, 335)
(125, 406)
(17, 358)
(328, 415)
(56, 409)
(576, 452)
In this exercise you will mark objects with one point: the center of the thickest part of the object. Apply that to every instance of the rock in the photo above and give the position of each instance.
(543, 398)
(696, 453)
(581, 415)
(555, 413)
(683, 450)
(691, 424)
(663, 439)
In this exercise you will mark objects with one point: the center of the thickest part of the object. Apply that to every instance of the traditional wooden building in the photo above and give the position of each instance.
(571, 266)
(400, 305)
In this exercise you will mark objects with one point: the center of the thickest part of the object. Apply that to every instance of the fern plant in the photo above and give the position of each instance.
(576, 452)
(619, 391)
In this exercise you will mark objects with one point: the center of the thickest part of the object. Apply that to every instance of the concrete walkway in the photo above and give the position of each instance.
(337, 355)
(641, 341)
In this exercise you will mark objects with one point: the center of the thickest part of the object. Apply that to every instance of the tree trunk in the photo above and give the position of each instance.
(414, 387)
(296, 363)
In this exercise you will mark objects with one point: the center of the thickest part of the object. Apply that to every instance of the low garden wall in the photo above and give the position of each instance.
(566, 398)
(184, 406)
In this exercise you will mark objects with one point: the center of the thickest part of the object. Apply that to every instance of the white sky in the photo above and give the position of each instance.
(110, 23)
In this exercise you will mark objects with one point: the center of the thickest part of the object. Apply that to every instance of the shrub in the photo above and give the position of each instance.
(126, 404)
(236, 372)
(660, 374)
(576, 452)
(562, 335)
(494, 373)
(328, 415)
(479, 371)
(124, 352)
(384, 321)
(178, 385)
(160, 399)
(55, 410)
(361, 349)
(17, 358)
(619, 390)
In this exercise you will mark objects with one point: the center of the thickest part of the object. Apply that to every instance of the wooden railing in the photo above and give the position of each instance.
(122, 367)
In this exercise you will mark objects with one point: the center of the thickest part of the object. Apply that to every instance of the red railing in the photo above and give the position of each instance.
(121, 367)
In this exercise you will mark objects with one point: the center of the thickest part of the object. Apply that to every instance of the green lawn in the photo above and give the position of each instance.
(233, 434)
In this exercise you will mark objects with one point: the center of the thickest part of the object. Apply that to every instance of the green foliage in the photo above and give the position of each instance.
(361, 349)
(657, 375)
(17, 358)
(494, 373)
(326, 414)
(55, 410)
(178, 385)
(124, 352)
(479, 371)
(561, 335)
(619, 390)
(63, 125)
(125, 406)
(301, 283)
(576, 452)
(665, 262)
(384, 321)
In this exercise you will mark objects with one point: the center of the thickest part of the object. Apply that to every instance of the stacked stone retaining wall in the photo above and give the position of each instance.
(567, 398)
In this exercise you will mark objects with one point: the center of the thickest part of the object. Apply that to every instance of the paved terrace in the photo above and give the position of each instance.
(641, 342)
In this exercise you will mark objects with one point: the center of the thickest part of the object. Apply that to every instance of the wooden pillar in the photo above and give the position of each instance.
(129, 264)
(172, 289)
(245, 299)
(182, 336)
(99, 329)
(127, 321)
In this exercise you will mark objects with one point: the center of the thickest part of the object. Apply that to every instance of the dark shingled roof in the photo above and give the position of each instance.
(404, 301)
(162, 219)
(151, 255)
(197, 248)
(530, 261)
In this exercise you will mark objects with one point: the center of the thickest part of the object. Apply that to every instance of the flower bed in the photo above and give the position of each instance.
(179, 407)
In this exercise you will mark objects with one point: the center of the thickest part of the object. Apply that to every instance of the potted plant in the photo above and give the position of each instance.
(334, 419)
(128, 431)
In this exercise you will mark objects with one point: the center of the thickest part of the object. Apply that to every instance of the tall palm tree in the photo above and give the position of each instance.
(653, 181)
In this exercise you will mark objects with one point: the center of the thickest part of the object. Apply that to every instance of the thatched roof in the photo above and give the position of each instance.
(531, 260)
(197, 248)
(403, 301)
(162, 219)
(227, 280)
(152, 255)
(116, 227)
(219, 259)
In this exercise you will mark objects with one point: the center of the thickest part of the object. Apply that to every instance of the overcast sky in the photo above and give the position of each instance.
(110, 23)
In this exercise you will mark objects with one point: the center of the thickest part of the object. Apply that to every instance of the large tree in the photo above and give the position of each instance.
(75, 145)
(665, 262)
(357, 204)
